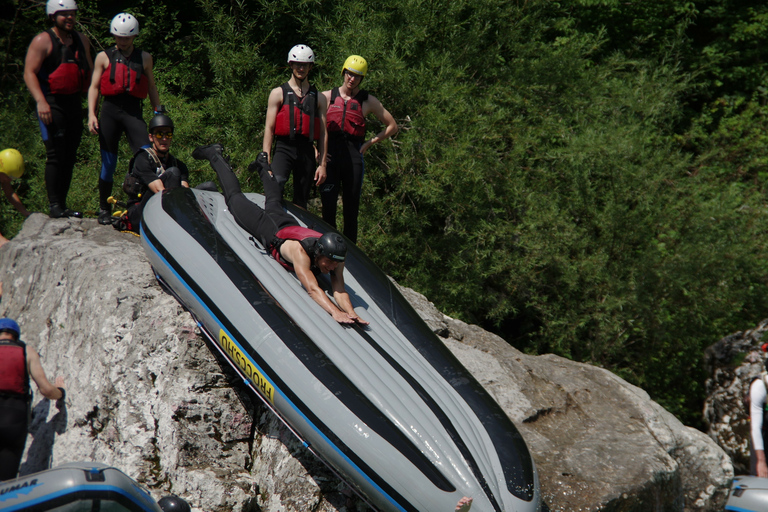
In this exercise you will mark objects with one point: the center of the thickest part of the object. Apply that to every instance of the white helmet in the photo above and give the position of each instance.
(124, 25)
(301, 53)
(54, 6)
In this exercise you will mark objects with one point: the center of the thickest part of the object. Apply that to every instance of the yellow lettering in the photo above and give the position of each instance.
(250, 372)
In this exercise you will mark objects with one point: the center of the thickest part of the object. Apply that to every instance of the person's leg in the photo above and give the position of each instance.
(13, 435)
(61, 139)
(283, 158)
(74, 135)
(303, 173)
(171, 178)
(329, 191)
(135, 129)
(110, 130)
(352, 187)
(246, 213)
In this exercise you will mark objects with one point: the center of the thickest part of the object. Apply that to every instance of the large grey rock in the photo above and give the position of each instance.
(147, 395)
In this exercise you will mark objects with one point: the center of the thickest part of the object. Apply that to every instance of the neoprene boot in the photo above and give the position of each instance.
(105, 209)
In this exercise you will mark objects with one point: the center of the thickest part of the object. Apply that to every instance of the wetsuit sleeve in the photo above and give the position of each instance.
(757, 395)
(144, 168)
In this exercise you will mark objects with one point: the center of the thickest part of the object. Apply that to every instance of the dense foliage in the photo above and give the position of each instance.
(584, 177)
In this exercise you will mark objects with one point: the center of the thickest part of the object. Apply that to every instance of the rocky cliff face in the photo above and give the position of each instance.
(146, 395)
(732, 363)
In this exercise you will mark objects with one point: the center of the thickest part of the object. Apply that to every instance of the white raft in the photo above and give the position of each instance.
(388, 407)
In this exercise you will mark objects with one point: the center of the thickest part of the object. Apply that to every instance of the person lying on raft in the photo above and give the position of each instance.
(296, 248)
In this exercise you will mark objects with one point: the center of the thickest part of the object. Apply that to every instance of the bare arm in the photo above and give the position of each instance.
(341, 295)
(94, 92)
(13, 198)
(149, 64)
(322, 142)
(39, 49)
(374, 106)
(292, 251)
(50, 391)
(273, 105)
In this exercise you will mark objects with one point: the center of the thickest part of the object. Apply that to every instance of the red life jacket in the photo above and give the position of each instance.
(306, 236)
(346, 116)
(297, 115)
(13, 368)
(124, 75)
(65, 70)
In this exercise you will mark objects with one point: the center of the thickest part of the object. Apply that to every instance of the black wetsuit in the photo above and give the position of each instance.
(261, 223)
(14, 411)
(170, 171)
(62, 136)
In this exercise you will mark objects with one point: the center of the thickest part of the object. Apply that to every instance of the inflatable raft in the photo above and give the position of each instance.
(748, 494)
(76, 486)
(387, 407)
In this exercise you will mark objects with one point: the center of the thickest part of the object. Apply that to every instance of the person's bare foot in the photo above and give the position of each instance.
(464, 504)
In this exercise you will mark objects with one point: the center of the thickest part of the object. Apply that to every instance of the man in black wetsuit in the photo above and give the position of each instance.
(295, 120)
(18, 363)
(123, 76)
(296, 248)
(57, 71)
(153, 170)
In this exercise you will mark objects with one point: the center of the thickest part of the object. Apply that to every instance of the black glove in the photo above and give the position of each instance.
(261, 162)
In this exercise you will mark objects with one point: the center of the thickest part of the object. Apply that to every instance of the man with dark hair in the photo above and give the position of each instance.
(57, 71)
(298, 249)
(18, 363)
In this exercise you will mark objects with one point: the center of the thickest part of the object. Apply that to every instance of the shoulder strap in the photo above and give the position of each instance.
(113, 56)
(334, 95)
(152, 154)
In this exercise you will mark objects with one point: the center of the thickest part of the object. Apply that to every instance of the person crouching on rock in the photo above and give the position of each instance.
(298, 249)
(153, 170)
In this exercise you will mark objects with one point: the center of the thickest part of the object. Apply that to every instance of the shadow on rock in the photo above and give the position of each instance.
(43, 433)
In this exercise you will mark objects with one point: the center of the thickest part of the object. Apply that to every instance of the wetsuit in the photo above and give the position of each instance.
(346, 168)
(63, 78)
(14, 403)
(123, 86)
(271, 225)
(146, 169)
(296, 128)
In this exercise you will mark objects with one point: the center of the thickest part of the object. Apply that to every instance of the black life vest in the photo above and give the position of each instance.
(124, 75)
(307, 237)
(14, 378)
(65, 70)
(297, 116)
(345, 117)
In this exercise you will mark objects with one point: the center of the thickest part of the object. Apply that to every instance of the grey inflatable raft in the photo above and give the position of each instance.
(748, 494)
(76, 486)
(388, 407)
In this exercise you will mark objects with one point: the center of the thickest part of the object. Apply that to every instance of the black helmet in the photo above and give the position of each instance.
(160, 120)
(173, 504)
(331, 245)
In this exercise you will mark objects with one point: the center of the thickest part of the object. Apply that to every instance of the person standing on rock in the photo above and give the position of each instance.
(295, 120)
(348, 105)
(18, 363)
(123, 76)
(57, 71)
(758, 425)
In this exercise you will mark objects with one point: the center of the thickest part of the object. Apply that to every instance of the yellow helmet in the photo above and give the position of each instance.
(11, 163)
(356, 64)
